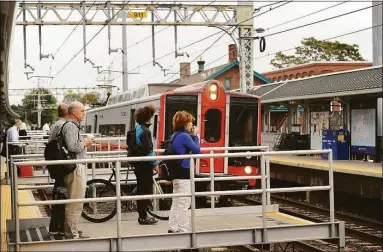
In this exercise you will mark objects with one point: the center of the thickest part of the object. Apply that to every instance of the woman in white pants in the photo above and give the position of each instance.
(184, 140)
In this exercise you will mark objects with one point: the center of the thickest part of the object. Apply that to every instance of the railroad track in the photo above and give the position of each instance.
(361, 234)
(41, 195)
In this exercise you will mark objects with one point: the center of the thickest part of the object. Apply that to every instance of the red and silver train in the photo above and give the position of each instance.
(226, 119)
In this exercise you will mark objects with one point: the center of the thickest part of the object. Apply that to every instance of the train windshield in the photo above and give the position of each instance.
(243, 121)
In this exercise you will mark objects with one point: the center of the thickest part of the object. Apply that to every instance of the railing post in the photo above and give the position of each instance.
(331, 192)
(12, 181)
(268, 176)
(17, 223)
(198, 163)
(193, 205)
(9, 167)
(264, 212)
(118, 194)
(212, 198)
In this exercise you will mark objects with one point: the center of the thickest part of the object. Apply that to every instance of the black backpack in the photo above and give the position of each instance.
(56, 150)
(134, 150)
(170, 168)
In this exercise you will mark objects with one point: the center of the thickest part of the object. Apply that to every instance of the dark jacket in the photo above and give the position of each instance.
(143, 141)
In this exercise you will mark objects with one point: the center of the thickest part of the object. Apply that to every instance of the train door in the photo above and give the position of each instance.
(213, 135)
(95, 124)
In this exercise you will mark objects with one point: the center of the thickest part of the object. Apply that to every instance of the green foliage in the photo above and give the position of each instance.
(317, 50)
(30, 105)
(71, 97)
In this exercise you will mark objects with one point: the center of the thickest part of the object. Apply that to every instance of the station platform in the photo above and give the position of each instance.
(27, 212)
(354, 167)
(214, 227)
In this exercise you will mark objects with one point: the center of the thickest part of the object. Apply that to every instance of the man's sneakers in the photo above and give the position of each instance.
(147, 221)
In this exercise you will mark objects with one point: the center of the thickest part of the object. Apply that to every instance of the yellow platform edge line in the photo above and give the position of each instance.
(320, 164)
(288, 218)
(24, 212)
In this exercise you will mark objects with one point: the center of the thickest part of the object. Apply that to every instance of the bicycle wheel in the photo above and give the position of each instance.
(160, 208)
(99, 211)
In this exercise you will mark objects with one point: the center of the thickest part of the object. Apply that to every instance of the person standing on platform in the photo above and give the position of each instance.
(140, 143)
(56, 225)
(76, 180)
(184, 140)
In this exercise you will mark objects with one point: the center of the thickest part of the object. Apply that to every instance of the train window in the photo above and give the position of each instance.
(243, 122)
(213, 125)
(112, 130)
(155, 126)
(88, 129)
(132, 119)
(174, 103)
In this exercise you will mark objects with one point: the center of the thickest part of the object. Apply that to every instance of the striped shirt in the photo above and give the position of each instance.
(74, 141)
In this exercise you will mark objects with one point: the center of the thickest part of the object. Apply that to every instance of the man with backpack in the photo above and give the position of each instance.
(75, 180)
(56, 225)
(140, 143)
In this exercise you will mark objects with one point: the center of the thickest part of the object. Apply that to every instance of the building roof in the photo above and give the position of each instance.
(213, 73)
(353, 82)
(319, 63)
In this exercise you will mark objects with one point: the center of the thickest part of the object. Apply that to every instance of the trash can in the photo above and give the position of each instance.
(26, 171)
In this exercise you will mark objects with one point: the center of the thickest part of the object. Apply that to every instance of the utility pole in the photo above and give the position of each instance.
(39, 110)
(124, 53)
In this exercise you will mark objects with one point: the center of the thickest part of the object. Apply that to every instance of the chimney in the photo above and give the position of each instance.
(233, 53)
(184, 70)
(201, 65)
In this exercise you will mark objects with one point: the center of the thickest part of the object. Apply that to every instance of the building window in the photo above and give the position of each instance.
(298, 75)
(213, 125)
(291, 76)
(311, 73)
(279, 78)
(274, 79)
(304, 74)
(227, 83)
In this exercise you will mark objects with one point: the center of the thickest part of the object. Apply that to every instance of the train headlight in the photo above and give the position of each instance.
(213, 92)
(248, 170)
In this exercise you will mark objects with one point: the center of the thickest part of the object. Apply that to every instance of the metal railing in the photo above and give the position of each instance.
(264, 190)
(114, 154)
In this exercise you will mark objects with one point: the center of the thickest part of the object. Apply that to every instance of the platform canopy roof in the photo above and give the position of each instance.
(347, 83)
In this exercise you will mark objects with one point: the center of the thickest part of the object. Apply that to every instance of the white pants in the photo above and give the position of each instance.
(76, 186)
(179, 217)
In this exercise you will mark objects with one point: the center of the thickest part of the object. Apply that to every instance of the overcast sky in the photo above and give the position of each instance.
(78, 74)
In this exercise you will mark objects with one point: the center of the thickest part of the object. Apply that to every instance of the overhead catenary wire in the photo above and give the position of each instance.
(323, 20)
(207, 37)
(118, 12)
(73, 30)
(140, 41)
(335, 37)
(197, 56)
(307, 15)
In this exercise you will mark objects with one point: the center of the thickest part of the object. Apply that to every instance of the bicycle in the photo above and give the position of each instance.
(103, 211)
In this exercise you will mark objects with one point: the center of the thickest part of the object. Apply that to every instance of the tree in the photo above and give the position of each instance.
(318, 50)
(71, 97)
(90, 98)
(30, 105)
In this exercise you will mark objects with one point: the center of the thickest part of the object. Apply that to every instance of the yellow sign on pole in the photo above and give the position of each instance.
(138, 14)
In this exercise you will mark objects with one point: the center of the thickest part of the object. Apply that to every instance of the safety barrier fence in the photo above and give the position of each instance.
(193, 194)
(118, 154)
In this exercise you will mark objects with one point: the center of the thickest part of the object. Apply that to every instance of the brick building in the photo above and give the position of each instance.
(227, 74)
(314, 68)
